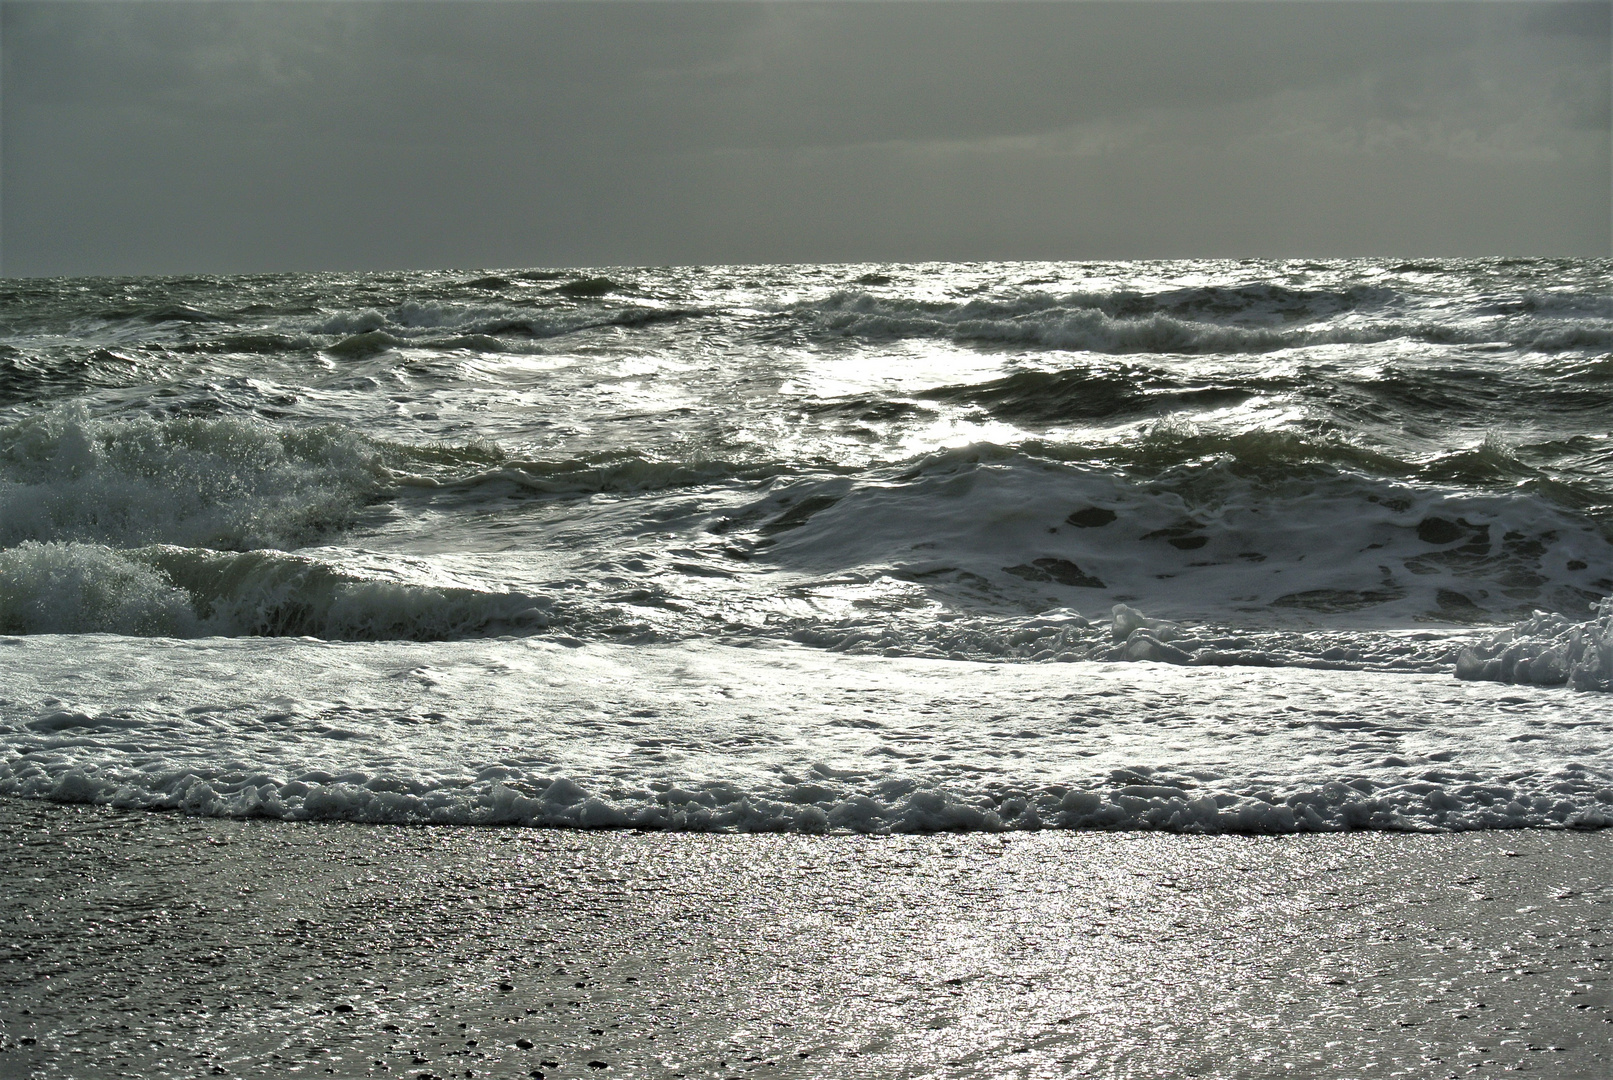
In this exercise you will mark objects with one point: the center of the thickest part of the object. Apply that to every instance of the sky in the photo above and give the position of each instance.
(245, 137)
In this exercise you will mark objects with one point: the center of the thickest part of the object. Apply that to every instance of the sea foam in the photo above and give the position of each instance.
(719, 738)
(1547, 650)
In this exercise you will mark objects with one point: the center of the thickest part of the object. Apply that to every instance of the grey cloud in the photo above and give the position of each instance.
(161, 136)
(1592, 21)
(686, 75)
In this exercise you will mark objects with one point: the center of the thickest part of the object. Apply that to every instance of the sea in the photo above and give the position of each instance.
(1193, 546)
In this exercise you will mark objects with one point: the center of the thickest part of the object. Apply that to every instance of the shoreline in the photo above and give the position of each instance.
(707, 735)
(160, 944)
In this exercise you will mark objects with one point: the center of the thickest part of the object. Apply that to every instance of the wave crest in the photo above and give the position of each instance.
(219, 483)
(167, 591)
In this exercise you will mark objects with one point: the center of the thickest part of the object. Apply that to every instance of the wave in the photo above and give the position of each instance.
(366, 344)
(1273, 456)
(1097, 323)
(363, 332)
(1253, 303)
(1031, 321)
(1556, 302)
(26, 379)
(87, 589)
(168, 591)
(1266, 301)
(175, 592)
(1064, 636)
(1131, 801)
(588, 287)
(532, 733)
(1443, 394)
(165, 313)
(238, 484)
(622, 471)
(265, 343)
(1258, 530)
(1255, 526)
(1049, 397)
(217, 483)
(1564, 338)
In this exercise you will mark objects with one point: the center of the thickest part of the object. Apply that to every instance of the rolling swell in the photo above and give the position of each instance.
(623, 472)
(1263, 303)
(418, 322)
(1089, 324)
(26, 379)
(1050, 397)
(1273, 523)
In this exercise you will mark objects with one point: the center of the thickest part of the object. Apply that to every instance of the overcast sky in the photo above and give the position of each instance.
(256, 136)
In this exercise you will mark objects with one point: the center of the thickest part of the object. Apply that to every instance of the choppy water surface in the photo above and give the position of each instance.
(1379, 471)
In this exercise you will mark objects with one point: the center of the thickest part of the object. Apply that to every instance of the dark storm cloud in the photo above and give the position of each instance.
(158, 137)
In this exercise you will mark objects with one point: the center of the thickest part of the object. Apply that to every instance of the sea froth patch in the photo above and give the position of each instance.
(1547, 650)
(893, 808)
(531, 733)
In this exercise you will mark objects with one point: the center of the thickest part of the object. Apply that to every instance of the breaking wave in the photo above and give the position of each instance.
(231, 483)
(166, 591)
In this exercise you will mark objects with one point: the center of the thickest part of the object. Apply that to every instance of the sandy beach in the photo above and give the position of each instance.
(158, 944)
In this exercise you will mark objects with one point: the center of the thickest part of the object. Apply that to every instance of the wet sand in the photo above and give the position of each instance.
(161, 945)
